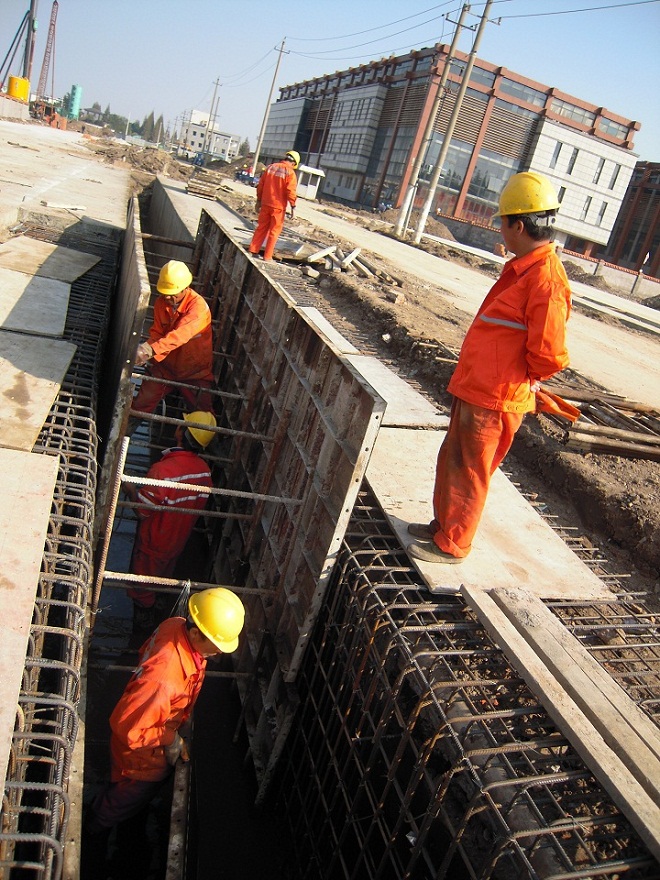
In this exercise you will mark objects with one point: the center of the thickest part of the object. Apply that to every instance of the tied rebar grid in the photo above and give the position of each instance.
(418, 752)
(35, 806)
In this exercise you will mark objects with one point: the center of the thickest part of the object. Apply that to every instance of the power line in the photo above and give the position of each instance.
(370, 30)
(584, 9)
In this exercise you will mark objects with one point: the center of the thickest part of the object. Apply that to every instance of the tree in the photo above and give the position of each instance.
(244, 148)
(106, 114)
(159, 130)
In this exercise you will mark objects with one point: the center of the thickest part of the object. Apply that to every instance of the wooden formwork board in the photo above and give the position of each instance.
(32, 304)
(322, 417)
(29, 483)
(559, 674)
(32, 369)
(35, 257)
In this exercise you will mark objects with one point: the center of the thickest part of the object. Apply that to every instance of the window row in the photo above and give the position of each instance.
(554, 161)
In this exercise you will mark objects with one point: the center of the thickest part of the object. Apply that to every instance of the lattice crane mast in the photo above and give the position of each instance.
(50, 42)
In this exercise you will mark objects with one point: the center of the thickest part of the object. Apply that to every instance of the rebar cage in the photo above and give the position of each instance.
(418, 752)
(35, 808)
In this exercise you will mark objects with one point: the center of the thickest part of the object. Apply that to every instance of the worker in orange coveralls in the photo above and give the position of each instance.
(152, 718)
(276, 189)
(163, 533)
(180, 343)
(517, 339)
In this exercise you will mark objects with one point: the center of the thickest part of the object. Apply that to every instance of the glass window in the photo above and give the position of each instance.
(561, 194)
(585, 209)
(572, 111)
(483, 77)
(614, 129)
(514, 108)
(613, 178)
(522, 92)
(599, 170)
(423, 64)
(601, 214)
(555, 154)
(572, 160)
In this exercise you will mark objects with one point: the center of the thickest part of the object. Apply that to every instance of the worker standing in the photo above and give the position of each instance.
(149, 721)
(517, 339)
(163, 530)
(276, 189)
(180, 343)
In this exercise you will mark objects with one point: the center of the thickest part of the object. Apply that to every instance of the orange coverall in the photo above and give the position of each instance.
(163, 534)
(276, 189)
(157, 700)
(182, 342)
(518, 337)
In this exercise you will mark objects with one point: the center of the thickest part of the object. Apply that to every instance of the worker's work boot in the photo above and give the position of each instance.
(421, 530)
(431, 553)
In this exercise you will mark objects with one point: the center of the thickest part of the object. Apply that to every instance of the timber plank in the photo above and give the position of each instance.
(635, 803)
(33, 304)
(25, 503)
(621, 723)
(31, 371)
(33, 257)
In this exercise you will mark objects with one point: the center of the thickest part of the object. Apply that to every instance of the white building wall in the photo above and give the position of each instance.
(219, 144)
(591, 196)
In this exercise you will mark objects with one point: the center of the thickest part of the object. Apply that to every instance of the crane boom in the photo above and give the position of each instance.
(48, 52)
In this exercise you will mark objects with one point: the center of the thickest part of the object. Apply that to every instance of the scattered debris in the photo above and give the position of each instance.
(205, 183)
(336, 260)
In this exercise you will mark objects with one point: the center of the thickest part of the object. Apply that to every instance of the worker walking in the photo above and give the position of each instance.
(180, 343)
(276, 189)
(163, 530)
(517, 339)
(149, 723)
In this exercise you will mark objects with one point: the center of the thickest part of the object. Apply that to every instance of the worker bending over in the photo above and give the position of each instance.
(149, 721)
(180, 343)
(276, 189)
(163, 531)
(517, 339)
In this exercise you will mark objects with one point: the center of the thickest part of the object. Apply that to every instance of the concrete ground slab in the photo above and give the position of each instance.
(513, 548)
(25, 502)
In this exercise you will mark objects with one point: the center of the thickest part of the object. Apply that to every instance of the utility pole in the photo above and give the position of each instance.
(208, 124)
(29, 41)
(267, 113)
(406, 206)
(433, 184)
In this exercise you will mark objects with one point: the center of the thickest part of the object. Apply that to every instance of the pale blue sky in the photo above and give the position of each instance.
(165, 55)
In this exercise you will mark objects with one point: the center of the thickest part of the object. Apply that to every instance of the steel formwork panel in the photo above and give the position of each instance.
(317, 420)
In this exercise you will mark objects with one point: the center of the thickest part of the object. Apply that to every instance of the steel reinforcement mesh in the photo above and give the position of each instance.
(35, 807)
(418, 752)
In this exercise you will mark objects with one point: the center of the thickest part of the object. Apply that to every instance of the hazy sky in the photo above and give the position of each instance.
(165, 55)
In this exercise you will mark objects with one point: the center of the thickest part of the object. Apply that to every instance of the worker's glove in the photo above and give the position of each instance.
(535, 386)
(144, 353)
(291, 212)
(258, 206)
(178, 749)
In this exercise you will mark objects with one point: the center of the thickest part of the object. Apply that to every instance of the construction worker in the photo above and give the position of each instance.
(163, 531)
(276, 189)
(151, 720)
(180, 343)
(517, 339)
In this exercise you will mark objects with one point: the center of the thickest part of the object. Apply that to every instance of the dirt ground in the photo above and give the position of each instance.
(614, 502)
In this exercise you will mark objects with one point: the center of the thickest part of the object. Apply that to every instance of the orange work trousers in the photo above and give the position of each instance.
(269, 226)
(475, 445)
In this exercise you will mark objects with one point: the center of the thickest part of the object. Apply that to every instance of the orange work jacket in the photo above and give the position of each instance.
(157, 700)
(277, 186)
(181, 337)
(518, 335)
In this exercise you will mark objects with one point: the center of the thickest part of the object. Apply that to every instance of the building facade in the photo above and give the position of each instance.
(635, 240)
(364, 126)
(198, 136)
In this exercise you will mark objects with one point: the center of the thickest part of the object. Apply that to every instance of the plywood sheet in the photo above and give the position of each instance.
(31, 371)
(34, 257)
(327, 331)
(405, 406)
(31, 304)
(513, 547)
(25, 503)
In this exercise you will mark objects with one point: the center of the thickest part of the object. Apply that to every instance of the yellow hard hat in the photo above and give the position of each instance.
(174, 277)
(199, 434)
(527, 193)
(219, 615)
(294, 156)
